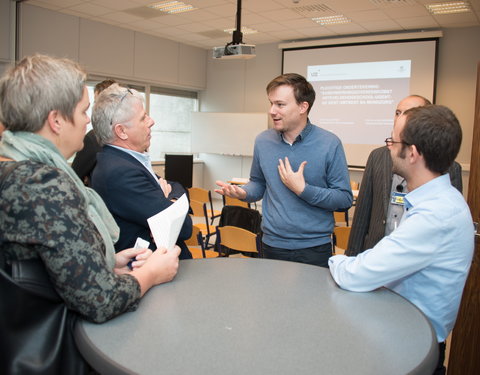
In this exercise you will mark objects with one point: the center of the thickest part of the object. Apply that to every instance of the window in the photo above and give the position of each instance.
(171, 110)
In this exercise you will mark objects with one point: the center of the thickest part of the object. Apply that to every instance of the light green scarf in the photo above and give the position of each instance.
(30, 146)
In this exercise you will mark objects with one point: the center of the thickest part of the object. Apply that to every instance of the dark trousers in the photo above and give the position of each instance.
(440, 370)
(316, 255)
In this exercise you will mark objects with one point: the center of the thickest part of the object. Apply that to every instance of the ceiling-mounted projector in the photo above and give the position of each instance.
(234, 51)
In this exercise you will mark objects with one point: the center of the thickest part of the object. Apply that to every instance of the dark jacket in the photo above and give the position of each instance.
(86, 158)
(132, 195)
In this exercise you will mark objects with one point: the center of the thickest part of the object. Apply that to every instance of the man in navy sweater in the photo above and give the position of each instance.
(301, 173)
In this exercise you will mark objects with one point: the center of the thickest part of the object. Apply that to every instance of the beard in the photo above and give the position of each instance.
(397, 165)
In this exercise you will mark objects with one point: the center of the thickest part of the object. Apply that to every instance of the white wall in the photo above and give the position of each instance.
(459, 54)
(237, 86)
(6, 29)
(111, 51)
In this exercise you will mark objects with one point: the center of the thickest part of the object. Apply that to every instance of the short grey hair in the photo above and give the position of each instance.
(36, 86)
(114, 105)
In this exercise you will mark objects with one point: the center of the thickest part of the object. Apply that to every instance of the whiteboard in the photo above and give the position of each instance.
(226, 133)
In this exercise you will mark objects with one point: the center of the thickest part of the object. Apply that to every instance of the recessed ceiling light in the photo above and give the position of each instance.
(331, 20)
(245, 30)
(449, 8)
(172, 7)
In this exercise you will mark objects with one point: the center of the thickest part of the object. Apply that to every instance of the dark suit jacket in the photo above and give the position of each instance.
(132, 195)
(369, 219)
(86, 158)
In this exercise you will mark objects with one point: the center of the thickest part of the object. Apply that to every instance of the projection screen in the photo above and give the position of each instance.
(358, 87)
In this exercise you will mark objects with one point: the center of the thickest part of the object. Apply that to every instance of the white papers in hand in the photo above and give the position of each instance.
(166, 225)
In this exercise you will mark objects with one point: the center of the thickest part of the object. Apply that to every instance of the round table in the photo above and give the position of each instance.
(259, 316)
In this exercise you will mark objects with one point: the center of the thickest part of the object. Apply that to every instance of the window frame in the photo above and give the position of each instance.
(148, 89)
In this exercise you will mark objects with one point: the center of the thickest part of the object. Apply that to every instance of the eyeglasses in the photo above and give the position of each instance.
(119, 103)
(389, 141)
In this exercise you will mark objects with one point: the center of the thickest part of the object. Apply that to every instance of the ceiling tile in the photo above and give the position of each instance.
(347, 28)
(316, 32)
(171, 31)
(260, 6)
(116, 4)
(341, 6)
(61, 3)
(44, 4)
(90, 9)
(403, 12)
(289, 35)
(253, 18)
(299, 23)
(221, 23)
(224, 10)
(199, 15)
(369, 15)
(268, 27)
(385, 25)
(417, 22)
(195, 27)
(281, 15)
(172, 20)
(459, 18)
(120, 17)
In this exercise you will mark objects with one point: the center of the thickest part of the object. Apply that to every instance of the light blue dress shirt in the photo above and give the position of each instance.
(142, 157)
(426, 259)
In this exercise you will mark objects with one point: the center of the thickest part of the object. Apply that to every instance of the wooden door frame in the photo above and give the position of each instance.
(464, 358)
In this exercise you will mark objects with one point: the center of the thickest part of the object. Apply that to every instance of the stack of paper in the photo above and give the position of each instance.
(166, 225)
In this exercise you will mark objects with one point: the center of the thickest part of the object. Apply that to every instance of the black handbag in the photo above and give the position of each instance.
(36, 328)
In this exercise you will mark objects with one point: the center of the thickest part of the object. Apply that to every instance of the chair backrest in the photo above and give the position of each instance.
(241, 217)
(341, 217)
(341, 235)
(204, 196)
(229, 201)
(199, 209)
(238, 239)
(354, 185)
(199, 194)
(193, 240)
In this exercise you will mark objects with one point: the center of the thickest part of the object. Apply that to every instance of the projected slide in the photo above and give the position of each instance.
(358, 87)
(355, 100)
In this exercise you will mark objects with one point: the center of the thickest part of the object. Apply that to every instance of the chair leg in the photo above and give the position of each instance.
(208, 245)
(200, 241)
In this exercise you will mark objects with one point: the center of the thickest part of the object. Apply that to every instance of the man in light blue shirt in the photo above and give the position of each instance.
(427, 258)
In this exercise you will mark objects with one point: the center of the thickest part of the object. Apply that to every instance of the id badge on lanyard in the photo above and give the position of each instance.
(397, 198)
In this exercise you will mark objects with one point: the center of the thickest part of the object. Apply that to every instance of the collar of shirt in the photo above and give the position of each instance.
(142, 157)
(306, 130)
(430, 188)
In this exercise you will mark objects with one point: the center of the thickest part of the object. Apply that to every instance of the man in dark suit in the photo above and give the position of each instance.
(123, 175)
(375, 215)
